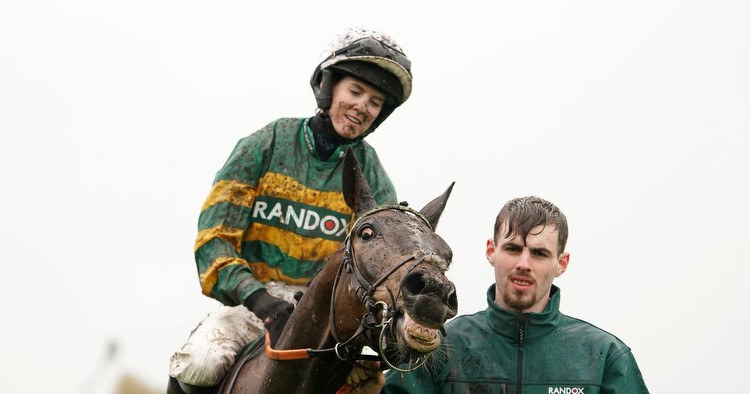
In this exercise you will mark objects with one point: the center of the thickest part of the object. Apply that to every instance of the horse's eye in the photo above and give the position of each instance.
(366, 233)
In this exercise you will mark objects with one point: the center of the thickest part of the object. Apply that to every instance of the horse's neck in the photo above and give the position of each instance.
(309, 327)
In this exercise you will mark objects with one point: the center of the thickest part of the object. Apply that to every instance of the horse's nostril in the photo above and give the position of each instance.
(413, 283)
(453, 299)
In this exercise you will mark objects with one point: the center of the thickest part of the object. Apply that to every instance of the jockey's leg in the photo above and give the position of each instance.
(209, 353)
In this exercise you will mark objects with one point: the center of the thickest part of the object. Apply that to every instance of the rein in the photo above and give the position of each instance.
(364, 291)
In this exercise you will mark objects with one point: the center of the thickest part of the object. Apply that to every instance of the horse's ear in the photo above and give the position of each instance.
(434, 208)
(357, 192)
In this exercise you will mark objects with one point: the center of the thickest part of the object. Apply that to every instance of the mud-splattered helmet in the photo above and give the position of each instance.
(368, 55)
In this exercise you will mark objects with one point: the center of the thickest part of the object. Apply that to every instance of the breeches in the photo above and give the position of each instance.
(211, 349)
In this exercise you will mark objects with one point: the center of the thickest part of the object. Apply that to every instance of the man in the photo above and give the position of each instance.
(522, 343)
(276, 211)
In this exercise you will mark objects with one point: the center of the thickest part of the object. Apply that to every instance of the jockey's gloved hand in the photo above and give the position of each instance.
(273, 311)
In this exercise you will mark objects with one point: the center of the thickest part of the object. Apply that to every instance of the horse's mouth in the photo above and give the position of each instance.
(418, 337)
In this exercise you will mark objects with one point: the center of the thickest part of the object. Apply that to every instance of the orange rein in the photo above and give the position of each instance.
(297, 354)
(294, 354)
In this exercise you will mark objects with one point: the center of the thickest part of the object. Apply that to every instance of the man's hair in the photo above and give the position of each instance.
(524, 213)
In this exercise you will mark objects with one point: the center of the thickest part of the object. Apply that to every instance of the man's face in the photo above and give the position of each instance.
(524, 273)
(355, 105)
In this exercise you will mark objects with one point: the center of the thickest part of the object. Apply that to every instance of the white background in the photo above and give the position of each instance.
(631, 116)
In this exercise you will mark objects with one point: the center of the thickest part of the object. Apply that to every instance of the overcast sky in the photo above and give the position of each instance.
(631, 116)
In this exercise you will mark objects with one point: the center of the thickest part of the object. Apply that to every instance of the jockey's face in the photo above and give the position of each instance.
(355, 105)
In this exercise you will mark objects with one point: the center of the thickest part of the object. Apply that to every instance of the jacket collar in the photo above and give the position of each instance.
(337, 149)
(506, 322)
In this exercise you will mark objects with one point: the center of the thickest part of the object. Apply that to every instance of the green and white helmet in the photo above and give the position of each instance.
(368, 55)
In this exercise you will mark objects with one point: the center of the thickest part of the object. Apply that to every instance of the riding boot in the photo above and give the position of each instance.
(177, 387)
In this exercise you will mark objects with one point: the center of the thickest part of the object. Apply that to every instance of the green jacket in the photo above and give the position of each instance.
(276, 210)
(498, 351)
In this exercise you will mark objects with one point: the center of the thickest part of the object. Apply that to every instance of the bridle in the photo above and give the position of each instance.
(365, 291)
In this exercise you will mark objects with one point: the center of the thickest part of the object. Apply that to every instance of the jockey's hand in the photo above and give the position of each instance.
(273, 311)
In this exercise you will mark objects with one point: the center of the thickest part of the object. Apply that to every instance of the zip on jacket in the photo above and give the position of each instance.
(519, 356)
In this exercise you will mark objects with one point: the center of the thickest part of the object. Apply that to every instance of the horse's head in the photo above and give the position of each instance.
(397, 265)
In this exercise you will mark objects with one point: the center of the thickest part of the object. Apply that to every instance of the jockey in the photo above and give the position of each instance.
(276, 212)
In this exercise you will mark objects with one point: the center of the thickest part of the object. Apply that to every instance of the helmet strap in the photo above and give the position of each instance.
(325, 96)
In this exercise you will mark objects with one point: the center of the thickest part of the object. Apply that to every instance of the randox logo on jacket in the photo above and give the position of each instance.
(565, 390)
(302, 219)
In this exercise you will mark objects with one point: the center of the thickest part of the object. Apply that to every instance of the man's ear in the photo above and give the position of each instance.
(490, 251)
(562, 263)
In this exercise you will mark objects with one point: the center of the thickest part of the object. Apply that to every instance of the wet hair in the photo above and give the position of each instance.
(522, 214)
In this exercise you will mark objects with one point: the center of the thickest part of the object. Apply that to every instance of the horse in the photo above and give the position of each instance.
(384, 288)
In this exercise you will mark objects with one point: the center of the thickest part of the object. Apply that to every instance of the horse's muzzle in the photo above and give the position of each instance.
(428, 299)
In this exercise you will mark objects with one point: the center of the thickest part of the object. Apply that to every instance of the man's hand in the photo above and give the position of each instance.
(366, 378)
(273, 311)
